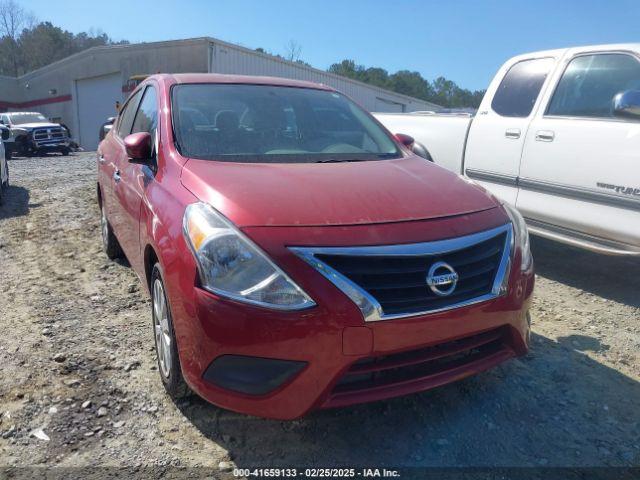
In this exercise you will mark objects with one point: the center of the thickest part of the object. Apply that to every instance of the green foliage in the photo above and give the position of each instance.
(441, 91)
(42, 44)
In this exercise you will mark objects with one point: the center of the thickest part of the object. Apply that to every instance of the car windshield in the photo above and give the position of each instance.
(270, 124)
(22, 118)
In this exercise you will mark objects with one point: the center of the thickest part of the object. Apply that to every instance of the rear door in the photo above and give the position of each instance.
(128, 191)
(581, 165)
(497, 133)
(109, 159)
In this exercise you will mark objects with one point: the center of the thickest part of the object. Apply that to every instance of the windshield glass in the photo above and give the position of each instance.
(22, 118)
(269, 124)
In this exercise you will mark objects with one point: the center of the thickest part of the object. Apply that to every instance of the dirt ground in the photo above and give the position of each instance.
(78, 365)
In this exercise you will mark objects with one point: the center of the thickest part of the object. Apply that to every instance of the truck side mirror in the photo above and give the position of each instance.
(627, 104)
(404, 139)
(138, 147)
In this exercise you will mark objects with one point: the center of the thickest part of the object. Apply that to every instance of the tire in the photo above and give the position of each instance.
(110, 243)
(7, 153)
(4, 185)
(164, 337)
(65, 151)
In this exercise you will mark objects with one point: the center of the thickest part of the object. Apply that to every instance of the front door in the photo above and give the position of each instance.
(133, 178)
(581, 164)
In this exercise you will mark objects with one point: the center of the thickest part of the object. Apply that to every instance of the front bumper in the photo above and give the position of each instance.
(51, 144)
(332, 340)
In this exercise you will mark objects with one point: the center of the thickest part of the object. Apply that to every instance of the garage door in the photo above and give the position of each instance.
(97, 98)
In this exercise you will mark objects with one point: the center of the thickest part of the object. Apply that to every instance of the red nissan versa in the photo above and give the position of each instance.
(298, 255)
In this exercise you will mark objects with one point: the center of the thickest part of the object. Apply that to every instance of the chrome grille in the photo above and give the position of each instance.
(49, 133)
(390, 281)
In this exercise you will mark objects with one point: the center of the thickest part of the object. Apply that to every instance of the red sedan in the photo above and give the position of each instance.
(297, 254)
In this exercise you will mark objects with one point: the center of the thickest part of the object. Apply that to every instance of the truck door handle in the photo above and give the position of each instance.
(513, 133)
(545, 136)
(116, 176)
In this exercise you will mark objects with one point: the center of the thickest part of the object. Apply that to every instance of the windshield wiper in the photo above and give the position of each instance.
(340, 160)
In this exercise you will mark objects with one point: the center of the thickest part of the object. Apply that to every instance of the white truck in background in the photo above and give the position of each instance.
(557, 135)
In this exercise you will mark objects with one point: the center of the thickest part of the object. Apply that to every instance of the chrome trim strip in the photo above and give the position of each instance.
(370, 307)
(580, 193)
(492, 177)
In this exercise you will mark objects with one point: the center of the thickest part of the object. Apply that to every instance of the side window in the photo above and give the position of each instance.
(4, 119)
(590, 82)
(125, 120)
(147, 117)
(520, 87)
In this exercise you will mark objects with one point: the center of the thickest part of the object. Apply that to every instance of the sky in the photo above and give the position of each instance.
(465, 41)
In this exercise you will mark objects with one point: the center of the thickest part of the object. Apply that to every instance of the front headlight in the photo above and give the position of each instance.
(231, 265)
(521, 235)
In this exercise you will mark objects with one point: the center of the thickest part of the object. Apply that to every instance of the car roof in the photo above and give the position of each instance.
(182, 78)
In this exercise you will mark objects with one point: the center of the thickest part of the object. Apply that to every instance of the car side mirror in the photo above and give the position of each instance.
(110, 120)
(5, 133)
(404, 139)
(627, 104)
(138, 147)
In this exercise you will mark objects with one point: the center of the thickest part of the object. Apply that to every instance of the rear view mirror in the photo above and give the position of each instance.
(5, 133)
(627, 104)
(406, 140)
(138, 146)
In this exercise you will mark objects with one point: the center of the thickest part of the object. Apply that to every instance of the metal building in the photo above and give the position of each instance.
(81, 90)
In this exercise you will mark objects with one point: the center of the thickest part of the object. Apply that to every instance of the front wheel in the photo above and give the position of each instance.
(110, 243)
(65, 151)
(165, 339)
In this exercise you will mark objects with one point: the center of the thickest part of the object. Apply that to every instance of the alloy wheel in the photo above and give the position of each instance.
(161, 328)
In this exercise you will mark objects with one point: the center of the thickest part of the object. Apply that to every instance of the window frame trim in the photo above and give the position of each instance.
(539, 96)
(147, 86)
(124, 107)
(567, 62)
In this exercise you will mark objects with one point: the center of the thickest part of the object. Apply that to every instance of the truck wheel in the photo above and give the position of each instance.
(110, 243)
(165, 339)
(65, 151)
(7, 154)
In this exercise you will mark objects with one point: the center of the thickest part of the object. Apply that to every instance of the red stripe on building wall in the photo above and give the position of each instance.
(37, 102)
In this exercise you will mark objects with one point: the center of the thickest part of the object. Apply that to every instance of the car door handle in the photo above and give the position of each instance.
(116, 176)
(545, 136)
(513, 133)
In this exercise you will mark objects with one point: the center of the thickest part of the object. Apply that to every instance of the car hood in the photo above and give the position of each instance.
(29, 126)
(348, 193)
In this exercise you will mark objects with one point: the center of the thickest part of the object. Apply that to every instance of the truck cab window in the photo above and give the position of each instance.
(520, 87)
(590, 82)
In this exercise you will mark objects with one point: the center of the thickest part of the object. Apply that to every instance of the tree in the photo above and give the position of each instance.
(293, 51)
(13, 20)
(441, 91)
(26, 45)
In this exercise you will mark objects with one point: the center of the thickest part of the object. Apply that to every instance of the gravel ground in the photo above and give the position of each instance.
(79, 386)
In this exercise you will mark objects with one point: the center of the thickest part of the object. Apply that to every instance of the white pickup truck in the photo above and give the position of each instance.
(558, 136)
